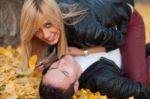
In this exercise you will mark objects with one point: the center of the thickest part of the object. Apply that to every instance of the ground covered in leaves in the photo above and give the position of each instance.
(15, 83)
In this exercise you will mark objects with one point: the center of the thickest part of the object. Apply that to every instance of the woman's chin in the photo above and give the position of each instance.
(52, 42)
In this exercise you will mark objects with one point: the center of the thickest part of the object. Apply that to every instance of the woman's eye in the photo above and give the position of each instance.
(48, 25)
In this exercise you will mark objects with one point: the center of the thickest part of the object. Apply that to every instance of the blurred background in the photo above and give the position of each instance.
(10, 14)
(143, 6)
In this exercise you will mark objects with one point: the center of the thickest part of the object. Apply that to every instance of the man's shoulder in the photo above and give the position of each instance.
(103, 65)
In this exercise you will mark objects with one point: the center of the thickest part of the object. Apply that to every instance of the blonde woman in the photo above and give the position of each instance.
(42, 25)
(41, 21)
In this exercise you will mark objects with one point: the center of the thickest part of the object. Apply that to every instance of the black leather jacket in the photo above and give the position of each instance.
(106, 77)
(98, 27)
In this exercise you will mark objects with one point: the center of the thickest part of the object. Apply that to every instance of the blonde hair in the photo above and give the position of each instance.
(30, 23)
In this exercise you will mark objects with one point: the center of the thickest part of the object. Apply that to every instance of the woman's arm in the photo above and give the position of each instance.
(81, 52)
(97, 27)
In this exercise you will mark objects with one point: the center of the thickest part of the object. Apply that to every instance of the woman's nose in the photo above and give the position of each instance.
(46, 34)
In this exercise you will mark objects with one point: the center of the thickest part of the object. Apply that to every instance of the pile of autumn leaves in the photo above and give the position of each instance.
(15, 83)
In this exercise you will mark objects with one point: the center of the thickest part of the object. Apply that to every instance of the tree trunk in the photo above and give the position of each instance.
(9, 22)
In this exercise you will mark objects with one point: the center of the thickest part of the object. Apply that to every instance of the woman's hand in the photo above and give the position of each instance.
(46, 62)
(80, 52)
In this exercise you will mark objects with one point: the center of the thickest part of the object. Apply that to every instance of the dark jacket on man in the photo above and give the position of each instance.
(105, 76)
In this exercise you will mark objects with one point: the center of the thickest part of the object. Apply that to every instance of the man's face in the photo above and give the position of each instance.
(62, 73)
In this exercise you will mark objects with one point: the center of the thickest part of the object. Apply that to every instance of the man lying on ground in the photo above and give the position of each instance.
(65, 76)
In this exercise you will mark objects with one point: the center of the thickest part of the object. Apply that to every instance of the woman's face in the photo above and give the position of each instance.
(48, 33)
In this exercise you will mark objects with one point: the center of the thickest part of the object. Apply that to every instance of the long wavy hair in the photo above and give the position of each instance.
(30, 22)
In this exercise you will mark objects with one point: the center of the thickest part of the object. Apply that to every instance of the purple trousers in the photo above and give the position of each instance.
(135, 64)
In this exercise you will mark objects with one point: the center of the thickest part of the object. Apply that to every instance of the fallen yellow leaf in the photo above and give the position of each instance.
(8, 52)
(2, 50)
(32, 62)
(91, 96)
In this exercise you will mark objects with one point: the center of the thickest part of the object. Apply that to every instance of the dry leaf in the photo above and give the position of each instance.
(14, 82)
(2, 50)
(32, 62)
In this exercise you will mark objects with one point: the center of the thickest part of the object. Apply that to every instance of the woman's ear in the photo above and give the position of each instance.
(76, 86)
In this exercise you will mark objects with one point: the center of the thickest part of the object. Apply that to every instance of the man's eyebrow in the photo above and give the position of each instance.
(53, 68)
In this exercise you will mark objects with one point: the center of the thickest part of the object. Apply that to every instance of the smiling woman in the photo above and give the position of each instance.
(39, 28)
(48, 33)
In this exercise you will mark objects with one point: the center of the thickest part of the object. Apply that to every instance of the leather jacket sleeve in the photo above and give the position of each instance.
(108, 80)
(110, 38)
(97, 26)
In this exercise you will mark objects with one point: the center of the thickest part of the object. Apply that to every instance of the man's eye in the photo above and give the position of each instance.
(65, 73)
(53, 68)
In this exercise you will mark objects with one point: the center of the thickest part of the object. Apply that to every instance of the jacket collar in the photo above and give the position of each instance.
(96, 66)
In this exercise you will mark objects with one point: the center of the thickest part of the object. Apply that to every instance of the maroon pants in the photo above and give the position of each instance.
(133, 50)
